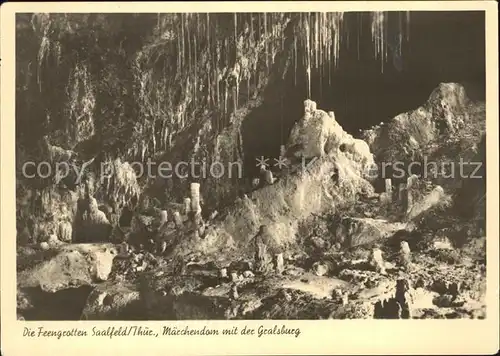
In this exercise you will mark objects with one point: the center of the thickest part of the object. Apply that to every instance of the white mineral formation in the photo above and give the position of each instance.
(223, 273)
(268, 177)
(178, 220)
(98, 227)
(65, 232)
(195, 198)
(280, 263)
(345, 298)
(388, 186)
(187, 206)
(401, 191)
(405, 254)
(163, 217)
(248, 274)
(234, 276)
(377, 261)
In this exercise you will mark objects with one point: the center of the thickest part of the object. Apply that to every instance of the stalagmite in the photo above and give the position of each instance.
(263, 257)
(163, 217)
(195, 198)
(401, 191)
(178, 220)
(408, 200)
(411, 181)
(187, 206)
(280, 263)
(65, 232)
(234, 291)
(309, 107)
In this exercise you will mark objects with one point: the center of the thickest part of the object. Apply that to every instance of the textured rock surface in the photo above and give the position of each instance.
(315, 244)
(413, 134)
(113, 301)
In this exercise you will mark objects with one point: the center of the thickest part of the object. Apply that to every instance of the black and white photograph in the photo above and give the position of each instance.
(250, 166)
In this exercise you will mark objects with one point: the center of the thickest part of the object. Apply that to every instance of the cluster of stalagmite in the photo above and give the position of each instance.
(386, 196)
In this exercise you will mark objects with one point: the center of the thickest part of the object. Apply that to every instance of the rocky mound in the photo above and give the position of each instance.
(314, 242)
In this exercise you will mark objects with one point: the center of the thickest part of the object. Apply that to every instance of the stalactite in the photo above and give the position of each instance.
(407, 25)
(189, 43)
(316, 40)
(295, 60)
(266, 40)
(225, 99)
(308, 56)
(378, 35)
(209, 68)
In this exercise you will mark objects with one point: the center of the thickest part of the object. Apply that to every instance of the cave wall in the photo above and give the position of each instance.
(133, 87)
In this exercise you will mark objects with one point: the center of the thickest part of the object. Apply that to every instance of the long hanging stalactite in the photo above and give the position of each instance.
(195, 60)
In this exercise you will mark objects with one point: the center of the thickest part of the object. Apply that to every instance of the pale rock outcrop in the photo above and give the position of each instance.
(408, 135)
(187, 206)
(195, 198)
(315, 135)
(405, 255)
(434, 198)
(377, 261)
(279, 263)
(73, 265)
(308, 189)
(318, 134)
